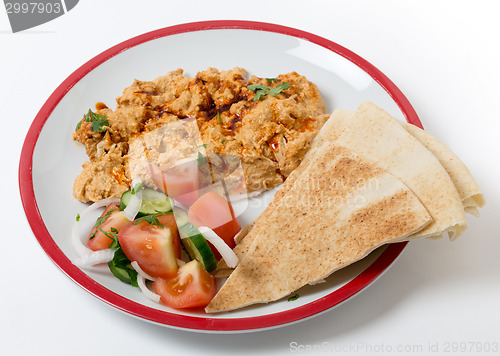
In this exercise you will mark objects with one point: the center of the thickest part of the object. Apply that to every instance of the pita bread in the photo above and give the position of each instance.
(467, 188)
(328, 133)
(380, 138)
(338, 210)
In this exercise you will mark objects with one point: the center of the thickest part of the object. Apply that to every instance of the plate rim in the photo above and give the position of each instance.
(193, 323)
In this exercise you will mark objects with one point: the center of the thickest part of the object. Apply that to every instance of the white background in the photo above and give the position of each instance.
(443, 55)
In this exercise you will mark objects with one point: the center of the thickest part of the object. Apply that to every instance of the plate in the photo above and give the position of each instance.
(50, 159)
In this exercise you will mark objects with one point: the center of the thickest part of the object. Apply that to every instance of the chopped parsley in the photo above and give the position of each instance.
(98, 122)
(136, 188)
(201, 158)
(151, 219)
(217, 117)
(77, 217)
(293, 298)
(98, 223)
(113, 235)
(263, 90)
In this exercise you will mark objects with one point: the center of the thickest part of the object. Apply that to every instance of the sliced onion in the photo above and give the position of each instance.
(135, 202)
(225, 251)
(95, 257)
(100, 204)
(139, 270)
(142, 285)
(76, 240)
(80, 248)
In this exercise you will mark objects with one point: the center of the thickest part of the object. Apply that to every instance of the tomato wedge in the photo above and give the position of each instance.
(213, 211)
(179, 182)
(110, 218)
(153, 241)
(192, 287)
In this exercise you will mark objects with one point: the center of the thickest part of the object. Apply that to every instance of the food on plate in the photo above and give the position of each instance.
(267, 123)
(432, 172)
(340, 209)
(360, 180)
(146, 236)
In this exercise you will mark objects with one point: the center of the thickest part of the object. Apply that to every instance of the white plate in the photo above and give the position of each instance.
(51, 160)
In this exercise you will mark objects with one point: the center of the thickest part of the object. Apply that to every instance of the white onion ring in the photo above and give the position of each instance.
(142, 286)
(95, 257)
(80, 248)
(225, 251)
(76, 240)
(135, 202)
(100, 204)
(139, 270)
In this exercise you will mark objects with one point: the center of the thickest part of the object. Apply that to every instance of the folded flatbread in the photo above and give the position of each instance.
(374, 134)
(369, 127)
(467, 188)
(337, 211)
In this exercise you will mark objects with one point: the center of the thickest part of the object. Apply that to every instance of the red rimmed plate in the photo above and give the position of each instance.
(50, 160)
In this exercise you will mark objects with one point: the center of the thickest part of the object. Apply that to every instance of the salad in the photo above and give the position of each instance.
(154, 242)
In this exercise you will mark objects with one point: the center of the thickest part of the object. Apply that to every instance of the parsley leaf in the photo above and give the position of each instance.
(271, 80)
(98, 223)
(262, 90)
(292, 298)
(77, 217)
(113, 235)
(98, 122)
(151, 219)
(136, 188)
(201, 158)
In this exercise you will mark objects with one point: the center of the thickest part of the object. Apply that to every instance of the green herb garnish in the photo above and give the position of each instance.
(113, 235)
(151, 219)
(99, 221)
(217, 117)
(98, 122)
(77, 217)
(136, 188)
(295, 297)
(271, 80)
(201, 158)
(263, 90)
